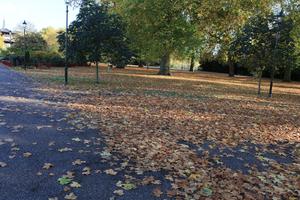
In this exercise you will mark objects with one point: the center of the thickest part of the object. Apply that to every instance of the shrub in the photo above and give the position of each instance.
(216, 66)
(46, 58)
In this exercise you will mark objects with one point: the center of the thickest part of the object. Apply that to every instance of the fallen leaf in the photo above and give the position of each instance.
(48, 166)
(41, 127)
(207, 192)
(111, 172)
(128, 186)
(78, 162)
(119, 192)
(71, 196)
(86, 171)
(3, 164)
(65, 150)
(76, 139)
(27, 154)
(157, 192)
(64, 181)
(53, 198)
(75, 185)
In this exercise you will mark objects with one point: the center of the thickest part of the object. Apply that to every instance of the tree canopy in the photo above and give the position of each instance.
(97, 35)
(168, 27)
(50, 36)
(31, 42)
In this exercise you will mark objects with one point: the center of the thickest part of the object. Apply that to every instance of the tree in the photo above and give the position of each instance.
(260, 48)
(160, 29)
(98, 35)
(2, 45)
(50, 36)
(164, 28)
(75, 53)
(221, 21)
(291, 23)
(253, 46)
(30, 42)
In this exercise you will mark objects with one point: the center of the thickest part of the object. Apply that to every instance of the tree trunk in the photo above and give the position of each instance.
(231, 68)
(259, 82)
(272, 81)
(141, 65)
(287, 74)
(192, 63)
(165, 65)
(97, 72)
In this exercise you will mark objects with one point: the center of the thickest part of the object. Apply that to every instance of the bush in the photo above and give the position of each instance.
(216, 66)
(296, 75)
(46, 58)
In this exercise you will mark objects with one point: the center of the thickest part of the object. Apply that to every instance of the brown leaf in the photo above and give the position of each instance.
(157, 192)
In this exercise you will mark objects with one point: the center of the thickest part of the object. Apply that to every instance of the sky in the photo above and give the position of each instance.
(41, 13)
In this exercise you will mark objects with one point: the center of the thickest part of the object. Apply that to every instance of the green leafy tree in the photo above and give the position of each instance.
(76, 55)
(291, 10)
(166, 28)
(253, 46)
(98, 35)
(30, 42)
(266, 44)
(221, 21)
(159, 30)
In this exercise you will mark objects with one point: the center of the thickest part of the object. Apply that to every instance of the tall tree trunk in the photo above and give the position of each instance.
(192, 63)
(259, 81)
(287, 74)
(97, 72)
(165, 65)
(231, 67)
(272, 81)
(141, 65)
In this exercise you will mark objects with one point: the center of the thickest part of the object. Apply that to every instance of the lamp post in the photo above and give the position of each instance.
(66, 41)
(277, 37)
(277, 27)
(25, 49)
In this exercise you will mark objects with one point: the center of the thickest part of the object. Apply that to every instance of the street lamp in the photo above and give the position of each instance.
(67, 2)
(25, 26)
(277, 37)
(276, 27)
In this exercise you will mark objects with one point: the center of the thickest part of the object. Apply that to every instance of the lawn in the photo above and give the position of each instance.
(211, 135)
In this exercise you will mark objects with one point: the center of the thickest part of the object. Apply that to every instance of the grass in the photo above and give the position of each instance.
(182, 84)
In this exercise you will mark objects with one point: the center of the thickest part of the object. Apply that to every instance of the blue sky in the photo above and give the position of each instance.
(41, 13)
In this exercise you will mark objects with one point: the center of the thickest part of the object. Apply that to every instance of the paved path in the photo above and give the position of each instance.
(33, 129)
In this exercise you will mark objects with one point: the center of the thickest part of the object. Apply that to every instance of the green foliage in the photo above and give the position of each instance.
(75, 53)
(222, 21)
(97, 36)
(257, 48)
(183, 27)
(31, 42)
(159, 28)
(48, 58)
